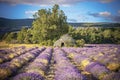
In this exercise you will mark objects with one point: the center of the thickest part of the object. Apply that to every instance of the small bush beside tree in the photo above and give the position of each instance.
(80, 43)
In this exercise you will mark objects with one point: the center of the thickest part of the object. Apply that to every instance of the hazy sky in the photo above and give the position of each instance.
(75, 10)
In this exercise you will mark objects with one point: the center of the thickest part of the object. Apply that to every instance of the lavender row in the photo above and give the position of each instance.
(36, 70)
(15, 54)
(108, 56)
(102, 45)
(11, 67)
(6, 51)
(98, 70)
(64, 69)
(13, 49)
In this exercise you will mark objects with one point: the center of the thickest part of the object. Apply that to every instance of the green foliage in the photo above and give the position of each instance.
(21, 35)
(93, 35)
(47, 43)
(28, 37)
(11, 38)
(116, 36)
(5, 36)
(80, 43)
(24, 36)
(49, 25)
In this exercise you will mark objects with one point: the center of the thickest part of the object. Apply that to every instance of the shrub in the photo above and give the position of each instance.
(80, 43)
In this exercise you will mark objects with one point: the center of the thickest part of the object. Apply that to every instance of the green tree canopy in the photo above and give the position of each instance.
(11, 37)
(49, 24)
(21, 35)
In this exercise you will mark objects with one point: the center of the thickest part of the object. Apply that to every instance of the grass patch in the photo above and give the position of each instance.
(5, 45)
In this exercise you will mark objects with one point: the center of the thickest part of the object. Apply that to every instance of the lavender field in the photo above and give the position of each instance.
(92, 62)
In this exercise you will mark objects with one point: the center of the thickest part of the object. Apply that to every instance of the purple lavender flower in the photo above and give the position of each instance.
(64, 69)
(98, 70)
(28, 76)
(112, 76)
(5, 71)
(40, 64)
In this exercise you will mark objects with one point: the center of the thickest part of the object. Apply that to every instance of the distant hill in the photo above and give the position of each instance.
(98, 24)
(4, 22)
(9, 25)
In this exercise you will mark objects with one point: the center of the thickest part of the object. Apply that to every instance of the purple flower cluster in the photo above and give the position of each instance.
(41, 62)
(112, 76)
(97, 70)
(98, 60)
(79, 59)
(93, 62)
(19, 48)
(107, 54)
(10, 67)
(14, 54)
(28, 76)
(64, 69)
(5, 51)
(36, 69)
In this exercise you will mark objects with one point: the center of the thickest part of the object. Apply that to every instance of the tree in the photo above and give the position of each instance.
(49, 25)
(116, 35)
(11, 37)
(107, 35)
(5, 36)
(21, 35)
(80, 43)
(28, 37)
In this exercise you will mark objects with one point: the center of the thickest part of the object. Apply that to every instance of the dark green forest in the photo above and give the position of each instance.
(50, 24)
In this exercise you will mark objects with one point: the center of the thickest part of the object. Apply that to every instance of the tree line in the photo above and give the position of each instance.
(96, 35)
